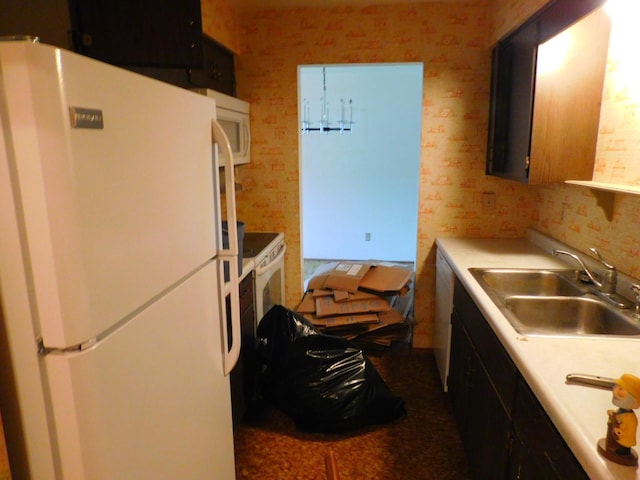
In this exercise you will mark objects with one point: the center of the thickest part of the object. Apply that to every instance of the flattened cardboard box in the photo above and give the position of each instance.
(345, 320)
(346, 276)
(358, 296)
(383, 278)
(327, 306)
(307, 304)
(386, 320)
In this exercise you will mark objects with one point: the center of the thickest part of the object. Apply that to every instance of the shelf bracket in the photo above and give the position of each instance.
(605, 200)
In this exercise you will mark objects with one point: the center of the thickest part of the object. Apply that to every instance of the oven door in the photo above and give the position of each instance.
(269, 284)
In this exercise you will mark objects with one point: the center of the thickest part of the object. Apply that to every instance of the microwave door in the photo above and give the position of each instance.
(236, 128)
(233, 131)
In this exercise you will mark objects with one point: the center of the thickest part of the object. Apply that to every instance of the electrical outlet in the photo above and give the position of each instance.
(488, 201)
(367, 237)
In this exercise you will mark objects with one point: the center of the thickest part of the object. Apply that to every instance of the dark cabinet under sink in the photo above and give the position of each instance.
(504, 429)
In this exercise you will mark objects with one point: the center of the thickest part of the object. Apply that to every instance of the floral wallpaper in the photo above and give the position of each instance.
(453, 40)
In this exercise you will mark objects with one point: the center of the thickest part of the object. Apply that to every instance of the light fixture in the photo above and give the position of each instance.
(324, 125)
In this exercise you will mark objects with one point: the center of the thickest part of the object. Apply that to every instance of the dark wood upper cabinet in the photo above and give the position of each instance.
(543, 128)
(217, 70)
(163, 40)
(144, 33)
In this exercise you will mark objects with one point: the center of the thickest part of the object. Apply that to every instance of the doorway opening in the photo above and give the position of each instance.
(359, 189)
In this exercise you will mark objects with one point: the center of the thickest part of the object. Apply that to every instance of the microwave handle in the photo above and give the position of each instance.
(247, 138)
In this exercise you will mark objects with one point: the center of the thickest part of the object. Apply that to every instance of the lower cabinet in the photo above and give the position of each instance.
(505, 432)
(483, 422)
(243, 375)
(538, 450)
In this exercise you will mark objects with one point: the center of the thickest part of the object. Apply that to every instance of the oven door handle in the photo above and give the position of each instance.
(260, 270)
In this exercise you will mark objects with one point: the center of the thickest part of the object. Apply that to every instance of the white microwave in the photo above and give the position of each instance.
(233, 115)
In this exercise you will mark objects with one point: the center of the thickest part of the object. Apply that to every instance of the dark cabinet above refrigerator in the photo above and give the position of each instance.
(143, 33)
(163, 40)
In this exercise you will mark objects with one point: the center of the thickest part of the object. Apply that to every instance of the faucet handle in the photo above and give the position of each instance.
(636, 289)
(602, 260)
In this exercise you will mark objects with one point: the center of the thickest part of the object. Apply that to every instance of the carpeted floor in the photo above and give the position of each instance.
(423, 445)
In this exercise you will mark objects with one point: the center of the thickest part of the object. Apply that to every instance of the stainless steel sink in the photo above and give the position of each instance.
(553, 303)
(529, 282)
(569, 316)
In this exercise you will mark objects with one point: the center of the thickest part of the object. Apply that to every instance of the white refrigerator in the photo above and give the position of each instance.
(113, 328)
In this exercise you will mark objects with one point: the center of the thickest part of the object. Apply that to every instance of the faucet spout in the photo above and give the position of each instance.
(609, 277)
(584, 267)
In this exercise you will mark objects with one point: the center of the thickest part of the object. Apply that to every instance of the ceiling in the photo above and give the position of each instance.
(254, 4)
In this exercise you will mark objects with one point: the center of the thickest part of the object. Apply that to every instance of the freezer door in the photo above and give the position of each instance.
(116, 185)
(150, 401)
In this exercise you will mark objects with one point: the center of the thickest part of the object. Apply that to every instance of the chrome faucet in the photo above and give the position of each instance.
(609, 276)
(636, 290)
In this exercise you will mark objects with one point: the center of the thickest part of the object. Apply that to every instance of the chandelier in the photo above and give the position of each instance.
(324, 125)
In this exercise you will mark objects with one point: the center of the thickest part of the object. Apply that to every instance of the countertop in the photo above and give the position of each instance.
(578, 412)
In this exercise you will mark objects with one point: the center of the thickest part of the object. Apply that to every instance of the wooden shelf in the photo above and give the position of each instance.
(605, 193)
(607, 187)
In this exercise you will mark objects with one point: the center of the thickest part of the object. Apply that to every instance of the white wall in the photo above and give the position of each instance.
(366, 181)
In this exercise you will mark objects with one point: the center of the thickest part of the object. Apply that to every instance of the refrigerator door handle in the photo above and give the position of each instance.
(232, 353)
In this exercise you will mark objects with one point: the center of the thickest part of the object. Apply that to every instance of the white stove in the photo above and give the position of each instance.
(267, 250)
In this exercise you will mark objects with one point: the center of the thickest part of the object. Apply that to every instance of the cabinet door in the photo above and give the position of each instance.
(218, 68)
(460, 370)
(511, 104)
(568, 91)
(544, 130)
(141, 33)
(496, 361)
(541, 452)
(482, 420)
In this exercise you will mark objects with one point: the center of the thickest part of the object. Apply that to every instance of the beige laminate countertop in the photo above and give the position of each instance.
(578, 412)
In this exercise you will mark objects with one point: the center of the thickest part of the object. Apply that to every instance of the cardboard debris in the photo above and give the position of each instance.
(319, 292)
(327, 306)
(340, 296)
(356, 323)
(383, 278)
(386, 320)
(345, 320)
(365, 302)
(307, 304)
(346, 276)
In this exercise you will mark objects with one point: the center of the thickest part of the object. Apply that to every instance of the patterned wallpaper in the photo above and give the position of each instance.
(219, 21)
(572, 214)
(452, 40)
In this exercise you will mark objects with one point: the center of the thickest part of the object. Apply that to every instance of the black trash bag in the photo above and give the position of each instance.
(323, 382)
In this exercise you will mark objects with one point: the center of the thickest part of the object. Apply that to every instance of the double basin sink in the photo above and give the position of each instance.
(554, 303)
